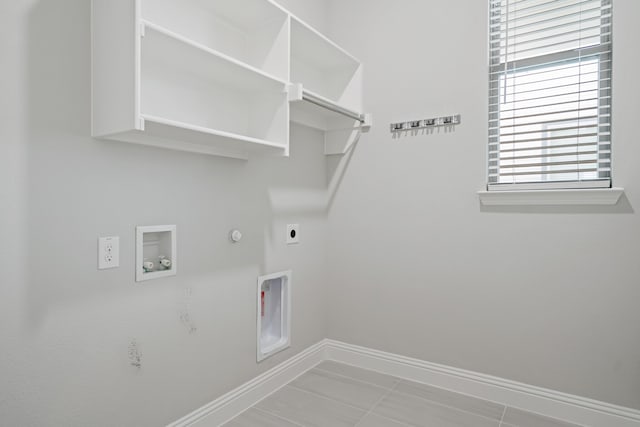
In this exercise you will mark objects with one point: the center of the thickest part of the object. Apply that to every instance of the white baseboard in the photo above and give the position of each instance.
(552, 403)
(555, 404)
(242, 398)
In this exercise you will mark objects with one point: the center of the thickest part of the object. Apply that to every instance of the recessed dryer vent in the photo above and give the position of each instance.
(274, 313)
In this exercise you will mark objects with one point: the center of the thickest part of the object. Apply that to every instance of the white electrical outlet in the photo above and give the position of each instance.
(293, 234)
(108, 252)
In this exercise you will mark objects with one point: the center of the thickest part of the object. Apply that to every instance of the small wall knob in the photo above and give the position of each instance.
(235, 236)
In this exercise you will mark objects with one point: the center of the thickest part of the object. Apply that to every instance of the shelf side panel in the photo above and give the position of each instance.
(351, 96)
(269, 48)
(113, 53)
(269, 117)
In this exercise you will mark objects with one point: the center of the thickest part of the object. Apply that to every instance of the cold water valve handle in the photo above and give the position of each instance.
(165, 262)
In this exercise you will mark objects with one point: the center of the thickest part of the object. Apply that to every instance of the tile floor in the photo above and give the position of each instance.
(336, 395)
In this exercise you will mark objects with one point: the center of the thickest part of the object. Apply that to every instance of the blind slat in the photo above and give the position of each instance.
(548, 21)
(499, 64)
(553, 130)
(545, 37)
(604, 66)
(586, 144)
(550, 172)
(539, 156)
(559, 86)
(519, 8)
(548, 113)
(540, 104)
(550, 138)
(548, 164)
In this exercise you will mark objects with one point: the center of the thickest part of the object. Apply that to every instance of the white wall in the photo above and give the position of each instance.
(66, 328)
(547, 296)
(314, 12)
(414, 258)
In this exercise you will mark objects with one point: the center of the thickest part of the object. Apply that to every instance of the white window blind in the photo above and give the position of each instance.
(550, 94)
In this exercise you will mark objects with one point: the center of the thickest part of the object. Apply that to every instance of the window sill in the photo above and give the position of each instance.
(581, 196)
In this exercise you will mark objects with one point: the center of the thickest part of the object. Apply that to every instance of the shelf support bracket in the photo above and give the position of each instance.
(340, 141)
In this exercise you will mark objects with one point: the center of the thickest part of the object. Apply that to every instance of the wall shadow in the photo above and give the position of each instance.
(80, 187)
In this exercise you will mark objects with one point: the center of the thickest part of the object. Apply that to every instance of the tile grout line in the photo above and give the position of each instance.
(402, 423)
(389, 391)
(565, 422)
(255, 405)
(357, 379)
(278, 416)
(449, 406)
(453, 391)
(504, 411)
(359, 367)
(399, 380)
(330, 399)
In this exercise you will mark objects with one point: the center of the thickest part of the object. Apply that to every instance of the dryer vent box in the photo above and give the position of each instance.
(273, 313)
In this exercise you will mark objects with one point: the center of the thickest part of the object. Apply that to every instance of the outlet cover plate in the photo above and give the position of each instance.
(108, 252)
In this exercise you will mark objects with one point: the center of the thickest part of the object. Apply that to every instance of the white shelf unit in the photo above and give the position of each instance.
(156, 86)
(221, 77)
(328, 95)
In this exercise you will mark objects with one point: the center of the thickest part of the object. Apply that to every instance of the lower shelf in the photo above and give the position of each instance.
(175, 135)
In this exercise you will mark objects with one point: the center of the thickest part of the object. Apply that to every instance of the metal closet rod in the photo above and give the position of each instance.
(320, 102)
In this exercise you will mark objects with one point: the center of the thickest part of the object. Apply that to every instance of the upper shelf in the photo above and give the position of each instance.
(324, 68)
(171, 48)
(252, 31)
(313, 48)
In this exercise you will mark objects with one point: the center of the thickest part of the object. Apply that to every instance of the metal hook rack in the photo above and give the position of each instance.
(426, 123)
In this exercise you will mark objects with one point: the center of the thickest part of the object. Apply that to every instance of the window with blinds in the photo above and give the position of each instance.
(549, 94)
